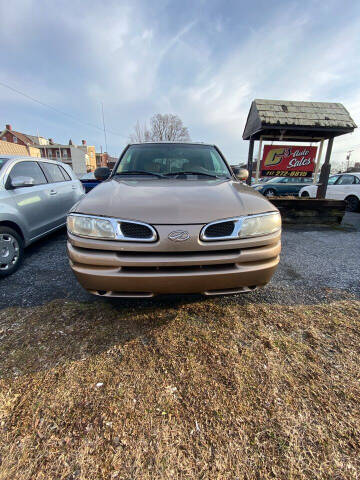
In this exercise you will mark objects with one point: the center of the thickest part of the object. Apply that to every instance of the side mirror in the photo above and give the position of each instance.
(19, 182)
(102, 173)
(242, 174)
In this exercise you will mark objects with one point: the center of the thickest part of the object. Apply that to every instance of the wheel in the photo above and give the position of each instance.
(305, 194)
(270, 192)
(11, 251)
(352, 204)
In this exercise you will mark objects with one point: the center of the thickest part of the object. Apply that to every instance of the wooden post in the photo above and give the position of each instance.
(258, 162)
(317, 167)
(325, 170)
(250, 160)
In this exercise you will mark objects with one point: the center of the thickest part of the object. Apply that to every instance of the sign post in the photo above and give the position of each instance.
(317, 168)
(325, 171)
(258, 162)
(295, 121)
(250, 161)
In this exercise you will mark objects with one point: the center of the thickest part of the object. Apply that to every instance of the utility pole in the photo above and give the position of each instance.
(348, 159)
(102, 110)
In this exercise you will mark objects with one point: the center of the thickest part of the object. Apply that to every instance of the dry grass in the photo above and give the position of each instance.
(209, 390)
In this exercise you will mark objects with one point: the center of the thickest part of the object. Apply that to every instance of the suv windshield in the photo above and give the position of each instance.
(174, 161)
(2, 162)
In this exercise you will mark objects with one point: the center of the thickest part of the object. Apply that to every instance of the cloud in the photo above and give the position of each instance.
(196, 59)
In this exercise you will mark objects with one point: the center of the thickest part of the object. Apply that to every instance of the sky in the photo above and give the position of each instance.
(203, 60)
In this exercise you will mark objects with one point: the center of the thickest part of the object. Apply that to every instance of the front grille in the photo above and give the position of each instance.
(177, 269)
(125, 255)
(222, 229)
(135, 230)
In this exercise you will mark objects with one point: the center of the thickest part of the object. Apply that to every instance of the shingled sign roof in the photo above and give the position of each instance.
(313, 120)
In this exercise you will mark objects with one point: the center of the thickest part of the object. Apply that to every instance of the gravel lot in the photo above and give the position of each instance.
(316, 265)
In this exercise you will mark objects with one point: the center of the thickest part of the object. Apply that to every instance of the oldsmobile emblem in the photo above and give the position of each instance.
(179, 236)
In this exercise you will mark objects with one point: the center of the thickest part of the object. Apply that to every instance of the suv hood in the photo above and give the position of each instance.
(169, 202)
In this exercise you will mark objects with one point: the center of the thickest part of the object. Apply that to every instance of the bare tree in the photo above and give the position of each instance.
(169, 128)
(140, 134)
(166, 127)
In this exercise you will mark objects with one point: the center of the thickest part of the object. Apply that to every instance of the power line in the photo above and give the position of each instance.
(29, 97)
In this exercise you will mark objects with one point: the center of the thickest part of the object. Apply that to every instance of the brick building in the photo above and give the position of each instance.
(105, 160)
(82, 158)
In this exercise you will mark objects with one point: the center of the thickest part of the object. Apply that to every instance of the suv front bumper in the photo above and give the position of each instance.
(124, 269)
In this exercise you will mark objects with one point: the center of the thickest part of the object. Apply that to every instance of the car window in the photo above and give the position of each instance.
(333, 179)
(64, 173)
(2, 162)
(52, 172)
(217, 162)
(28, 169)
(346, 180)
(276, 180)
(167, 159)
(357, 180)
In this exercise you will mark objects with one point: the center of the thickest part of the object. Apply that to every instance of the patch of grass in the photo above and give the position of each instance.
(207, 390)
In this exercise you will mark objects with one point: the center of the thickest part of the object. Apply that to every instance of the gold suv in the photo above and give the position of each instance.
(172, 218)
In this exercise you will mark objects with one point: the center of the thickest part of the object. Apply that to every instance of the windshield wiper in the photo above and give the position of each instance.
(191, 173)
(140, 172)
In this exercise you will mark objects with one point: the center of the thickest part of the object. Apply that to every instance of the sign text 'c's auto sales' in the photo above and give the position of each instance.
(288, 161)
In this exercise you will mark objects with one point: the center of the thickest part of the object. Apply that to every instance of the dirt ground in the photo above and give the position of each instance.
(208, 389)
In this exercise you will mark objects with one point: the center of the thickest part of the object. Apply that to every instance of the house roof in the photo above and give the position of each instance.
(9, 148)
(314, 120)
(21, 136)
(33, 138)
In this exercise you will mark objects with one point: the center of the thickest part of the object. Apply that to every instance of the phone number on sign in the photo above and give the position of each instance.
(284, 173)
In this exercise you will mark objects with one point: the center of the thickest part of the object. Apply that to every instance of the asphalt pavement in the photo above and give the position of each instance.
(317, 265)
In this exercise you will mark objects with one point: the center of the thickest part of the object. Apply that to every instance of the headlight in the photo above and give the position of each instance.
(258, 187)
(241, 227)
(90, 227)
(110, 228)
(260, 225)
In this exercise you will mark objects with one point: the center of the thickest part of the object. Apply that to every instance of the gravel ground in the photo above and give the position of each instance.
(317, 265)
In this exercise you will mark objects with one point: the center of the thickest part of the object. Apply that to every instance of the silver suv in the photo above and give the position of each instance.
(35, 197)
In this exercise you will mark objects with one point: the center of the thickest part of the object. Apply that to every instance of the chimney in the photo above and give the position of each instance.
(83, 142)
(8, 127)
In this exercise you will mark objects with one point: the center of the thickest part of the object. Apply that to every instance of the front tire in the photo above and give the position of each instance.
(11, 251)
(270, 192)
(305, 194)
(352, 204)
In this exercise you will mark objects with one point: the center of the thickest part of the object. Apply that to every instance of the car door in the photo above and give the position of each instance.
(302, 182)
(284, 186)
(332, 188)
(77, 190)
(32, 203)
(293, 185)
(61, 191)
(344, 186)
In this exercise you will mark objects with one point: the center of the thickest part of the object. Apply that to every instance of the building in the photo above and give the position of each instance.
(81, 158)
(105, 160)
(10, 148)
